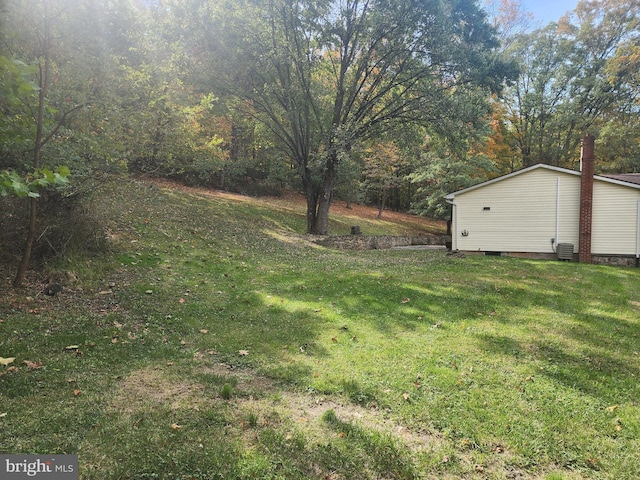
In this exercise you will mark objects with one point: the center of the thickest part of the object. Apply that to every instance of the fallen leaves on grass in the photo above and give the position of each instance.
(617, 424)
(33, 365)
(6, 361)
(593, 463)
(243, 353)
(8, 370)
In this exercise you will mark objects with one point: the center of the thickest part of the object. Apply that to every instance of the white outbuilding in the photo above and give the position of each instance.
(550, 212)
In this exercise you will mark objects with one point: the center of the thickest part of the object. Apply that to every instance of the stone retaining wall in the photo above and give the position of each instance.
(377, 242)
(616, 260)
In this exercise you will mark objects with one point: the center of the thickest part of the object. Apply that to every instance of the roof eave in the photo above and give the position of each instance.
(452, 195)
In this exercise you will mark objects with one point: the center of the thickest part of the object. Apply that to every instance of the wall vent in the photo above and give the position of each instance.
(565, 251)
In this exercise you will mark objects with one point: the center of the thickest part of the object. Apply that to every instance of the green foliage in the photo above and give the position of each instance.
(571, 83)
(444, 171)
(618, 144)
(324, 77)
(17, 89)
(30, 185)
(228, 95)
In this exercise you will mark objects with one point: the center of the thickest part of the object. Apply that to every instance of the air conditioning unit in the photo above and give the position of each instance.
(565, 251)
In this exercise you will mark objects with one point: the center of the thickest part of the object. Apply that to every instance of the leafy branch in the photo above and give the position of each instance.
(29, 185)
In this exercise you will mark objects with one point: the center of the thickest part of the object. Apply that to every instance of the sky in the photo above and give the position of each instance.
(546, 11)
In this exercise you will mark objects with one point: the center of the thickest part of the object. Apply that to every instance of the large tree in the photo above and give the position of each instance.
(568, 86)
(324, 75)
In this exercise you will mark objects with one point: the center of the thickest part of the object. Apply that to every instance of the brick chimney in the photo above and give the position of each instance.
(586, 199)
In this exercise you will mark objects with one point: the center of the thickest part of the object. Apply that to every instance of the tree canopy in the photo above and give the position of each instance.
(258, 95)
(323, 76)
(575, 79)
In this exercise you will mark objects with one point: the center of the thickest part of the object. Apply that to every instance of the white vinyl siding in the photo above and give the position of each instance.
(522, 213)
(614, 224)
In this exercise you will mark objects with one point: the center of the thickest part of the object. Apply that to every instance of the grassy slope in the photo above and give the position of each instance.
(214, 342)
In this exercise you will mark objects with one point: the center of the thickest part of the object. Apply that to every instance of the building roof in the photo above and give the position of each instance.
(626, 177)
(627, 180)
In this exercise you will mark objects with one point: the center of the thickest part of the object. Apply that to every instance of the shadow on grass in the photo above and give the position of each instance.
(589, 368)
(381, 454)
(591, 345)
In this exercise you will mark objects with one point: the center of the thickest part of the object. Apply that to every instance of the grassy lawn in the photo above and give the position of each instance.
(213, 341)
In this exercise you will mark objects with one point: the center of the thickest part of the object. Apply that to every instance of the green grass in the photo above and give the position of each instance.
(215, 342)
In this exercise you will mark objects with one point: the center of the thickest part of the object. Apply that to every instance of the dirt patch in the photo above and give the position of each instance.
(150, 387)
(245, 380)
(262, 396)
(268, 404)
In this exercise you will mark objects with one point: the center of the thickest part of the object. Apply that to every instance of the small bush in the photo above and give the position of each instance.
(66, 222)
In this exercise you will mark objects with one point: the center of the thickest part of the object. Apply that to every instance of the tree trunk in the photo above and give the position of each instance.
(312, 211)
(312, 199)
(28, 246)
(349, 195)
(325, 197)
(319, 198)
(383, 200)
(43, 83)
(322, 218)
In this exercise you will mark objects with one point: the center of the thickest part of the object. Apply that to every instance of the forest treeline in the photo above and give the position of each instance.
(389, 102)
